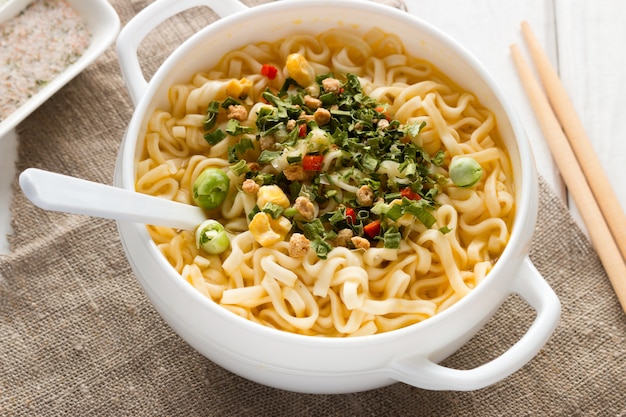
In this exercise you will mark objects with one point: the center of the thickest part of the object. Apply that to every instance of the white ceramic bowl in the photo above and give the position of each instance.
(332, 365)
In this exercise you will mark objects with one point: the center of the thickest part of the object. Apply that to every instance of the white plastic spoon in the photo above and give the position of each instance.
(57, 192)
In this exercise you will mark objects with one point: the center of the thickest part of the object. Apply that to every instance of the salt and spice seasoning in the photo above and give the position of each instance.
(35, 47)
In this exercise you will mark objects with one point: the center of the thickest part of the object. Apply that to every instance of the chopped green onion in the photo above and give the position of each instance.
(254, 212)
(321, 248)
(215, 137)
(294, 189)
(414, 129)
(294, 159)
(229, 102)
(336, 113)
(212, 112)
(263, 178)
(268, 156)
(314, 229)
(274, 210)
(370, 162)
(330, 194)
(328, 99)
(391, 238)
(234, 128)
(438, 159)
(380, 208)
(392, 196)
(362, 215)
(240, 167)
(236, 151)
(212, 237)
(445, 229)
(420, 210)
(409, 169)
(337, 216)
(394, 212)
(290, 212)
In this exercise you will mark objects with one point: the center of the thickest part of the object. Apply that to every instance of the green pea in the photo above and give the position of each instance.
(212, 237)
(465, 171)
(211, 188)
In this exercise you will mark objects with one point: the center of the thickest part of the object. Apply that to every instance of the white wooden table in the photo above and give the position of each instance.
(585, 40)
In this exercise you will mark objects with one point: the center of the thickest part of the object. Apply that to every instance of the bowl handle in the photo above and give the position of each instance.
(144, 22)
(421, 372)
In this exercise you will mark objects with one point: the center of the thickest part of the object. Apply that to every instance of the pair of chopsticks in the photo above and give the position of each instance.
(576, 160)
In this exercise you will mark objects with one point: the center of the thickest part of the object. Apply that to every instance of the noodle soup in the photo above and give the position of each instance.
(352, 189)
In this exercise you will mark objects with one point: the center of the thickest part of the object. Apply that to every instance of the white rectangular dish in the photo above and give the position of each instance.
(103, 23)
(10, 8)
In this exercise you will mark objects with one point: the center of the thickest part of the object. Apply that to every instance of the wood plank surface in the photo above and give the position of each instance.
(592, 66)
(585, 43)
(487, 28)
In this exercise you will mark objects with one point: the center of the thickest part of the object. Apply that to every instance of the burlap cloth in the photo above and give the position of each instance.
(78, 336)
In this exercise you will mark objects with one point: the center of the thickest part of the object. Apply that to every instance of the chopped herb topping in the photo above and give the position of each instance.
(340, 149)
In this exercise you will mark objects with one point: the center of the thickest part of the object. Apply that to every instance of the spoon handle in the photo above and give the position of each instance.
(57, 192)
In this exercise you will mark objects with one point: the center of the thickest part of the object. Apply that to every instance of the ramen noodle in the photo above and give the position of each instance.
(328, 160)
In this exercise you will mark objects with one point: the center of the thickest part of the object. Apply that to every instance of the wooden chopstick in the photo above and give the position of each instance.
(580, 143)
(599, 232)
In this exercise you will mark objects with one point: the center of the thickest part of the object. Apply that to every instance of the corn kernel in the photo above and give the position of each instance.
(267, 231)
(272, 194)
(300, 70)
(238, 88)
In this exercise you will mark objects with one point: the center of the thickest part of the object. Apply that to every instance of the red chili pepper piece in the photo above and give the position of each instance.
(350, 215)
(410, 194)
(312, 162)
(372, 229)
(302, 132)
(269, 71)
(381, 109)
